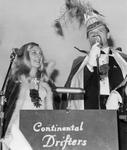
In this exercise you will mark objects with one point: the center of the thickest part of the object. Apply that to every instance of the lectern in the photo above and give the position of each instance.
(70, 129)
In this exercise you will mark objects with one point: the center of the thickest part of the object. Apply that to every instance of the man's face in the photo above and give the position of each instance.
(98, 35)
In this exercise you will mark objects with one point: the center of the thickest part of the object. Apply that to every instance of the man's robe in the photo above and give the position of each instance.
(80, 75)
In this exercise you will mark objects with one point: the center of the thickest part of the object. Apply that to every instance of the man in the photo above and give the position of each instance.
(99, 72)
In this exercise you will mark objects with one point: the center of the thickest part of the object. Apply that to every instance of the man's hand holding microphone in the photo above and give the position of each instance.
(94, 54)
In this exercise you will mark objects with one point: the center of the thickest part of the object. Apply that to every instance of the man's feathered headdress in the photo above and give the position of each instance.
(82, 12)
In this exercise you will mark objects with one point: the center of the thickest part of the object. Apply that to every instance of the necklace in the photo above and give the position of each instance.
(34, 83)
(34, 94)
(35, 80)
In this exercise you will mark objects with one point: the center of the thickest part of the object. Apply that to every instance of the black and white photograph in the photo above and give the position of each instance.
(63, 75)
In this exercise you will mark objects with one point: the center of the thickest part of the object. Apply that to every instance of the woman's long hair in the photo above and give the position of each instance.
(22, 63)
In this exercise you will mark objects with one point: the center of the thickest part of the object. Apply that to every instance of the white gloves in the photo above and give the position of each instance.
(94, 53)
(113, 101)
(92, 58)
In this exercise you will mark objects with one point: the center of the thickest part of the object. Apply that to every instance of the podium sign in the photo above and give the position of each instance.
(70, 130)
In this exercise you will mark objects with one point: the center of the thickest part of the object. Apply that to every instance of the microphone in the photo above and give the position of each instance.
(15, 50)
(14, 53)
(97, 39)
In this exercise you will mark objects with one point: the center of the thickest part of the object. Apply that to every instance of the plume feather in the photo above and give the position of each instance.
(74, 10)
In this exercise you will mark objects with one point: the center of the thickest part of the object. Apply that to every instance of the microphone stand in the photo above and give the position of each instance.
(3, 98)
(98, 80)
(98, 39)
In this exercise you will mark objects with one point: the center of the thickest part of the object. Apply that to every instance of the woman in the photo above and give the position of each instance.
(27, 88)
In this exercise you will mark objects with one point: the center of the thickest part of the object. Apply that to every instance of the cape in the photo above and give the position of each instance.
(11, 95)
(76, 77)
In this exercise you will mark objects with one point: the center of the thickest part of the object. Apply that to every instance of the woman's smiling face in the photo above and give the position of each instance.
(36, 57)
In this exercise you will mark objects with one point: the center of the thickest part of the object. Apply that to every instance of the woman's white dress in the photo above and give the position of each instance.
(14, 139)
